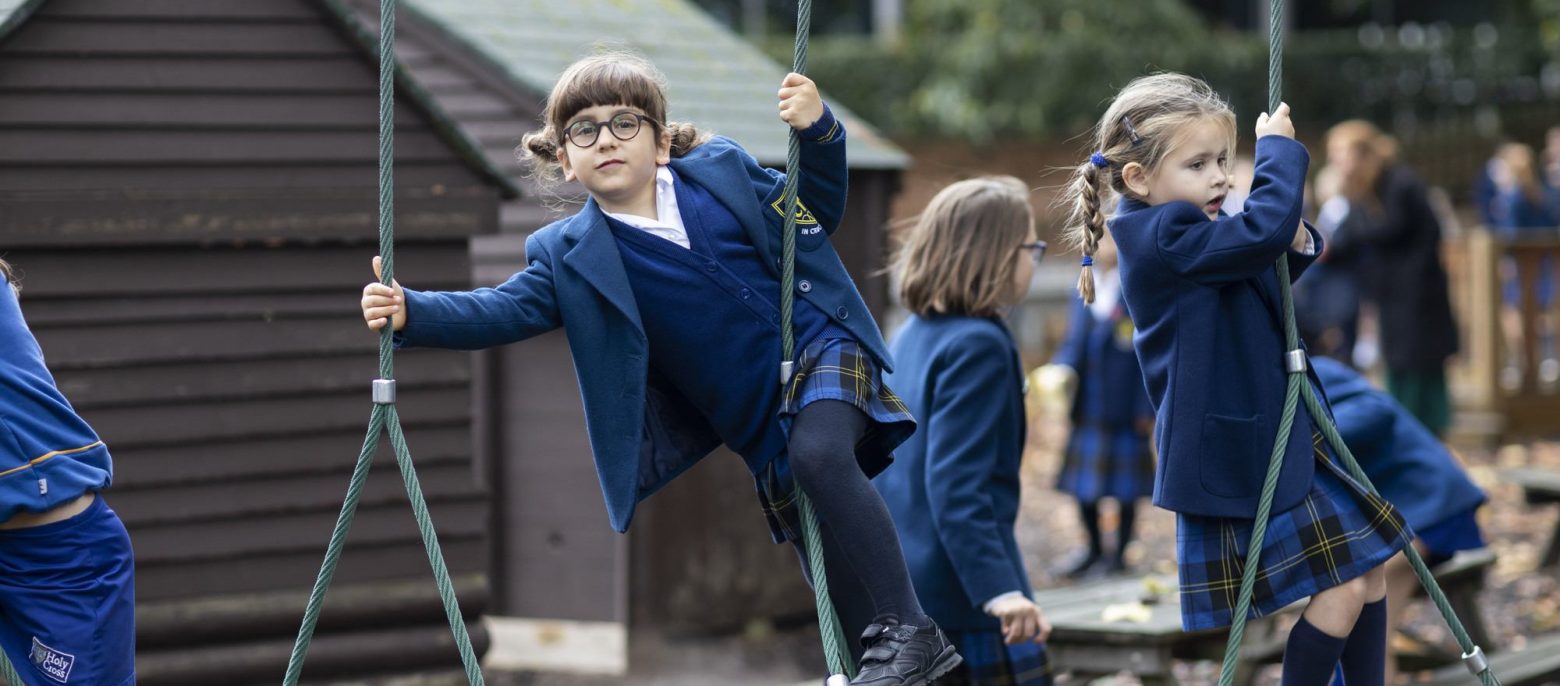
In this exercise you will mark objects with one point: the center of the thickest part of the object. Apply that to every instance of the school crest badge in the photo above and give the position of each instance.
(52, 663)
(806, 223)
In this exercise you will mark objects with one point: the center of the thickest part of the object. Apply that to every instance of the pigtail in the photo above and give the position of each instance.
(1086, 223)
(685, 137)
(539, 149)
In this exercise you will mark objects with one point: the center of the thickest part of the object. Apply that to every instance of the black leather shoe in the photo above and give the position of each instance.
(904, 655)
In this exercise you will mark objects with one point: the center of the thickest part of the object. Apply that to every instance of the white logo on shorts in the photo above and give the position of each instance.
(53, 663)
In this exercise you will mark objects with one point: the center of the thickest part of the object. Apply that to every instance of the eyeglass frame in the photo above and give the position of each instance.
(639, 120)
(1036, 250)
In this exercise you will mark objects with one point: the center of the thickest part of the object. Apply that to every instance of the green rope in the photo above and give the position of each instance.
(385, 417)
(8, 671)
(1299, 385)
(836, 648)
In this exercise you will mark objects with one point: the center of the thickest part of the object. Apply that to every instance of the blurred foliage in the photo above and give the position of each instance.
(982, 69)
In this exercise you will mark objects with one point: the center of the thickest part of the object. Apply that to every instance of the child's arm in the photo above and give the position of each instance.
(1070, 352)
(961, 447)
(522, 307)
(824, 171)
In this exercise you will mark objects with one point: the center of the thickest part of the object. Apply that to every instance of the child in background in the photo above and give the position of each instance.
(1109, 453)
(955, 490)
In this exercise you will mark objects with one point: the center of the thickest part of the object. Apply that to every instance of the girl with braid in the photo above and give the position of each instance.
(1201, 287)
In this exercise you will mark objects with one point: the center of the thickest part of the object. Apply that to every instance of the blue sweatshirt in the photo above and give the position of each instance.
(48, 454)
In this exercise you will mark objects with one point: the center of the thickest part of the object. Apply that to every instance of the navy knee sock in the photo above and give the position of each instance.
(1310, 656)
(1365, 651)
(823, 458)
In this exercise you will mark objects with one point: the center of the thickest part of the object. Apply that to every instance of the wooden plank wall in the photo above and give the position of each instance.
(187, 188)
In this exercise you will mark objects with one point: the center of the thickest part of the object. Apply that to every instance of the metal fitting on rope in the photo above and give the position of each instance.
(836, 680)
(1294, 361)
(1476, 661)
(785, 371)
(384, 391)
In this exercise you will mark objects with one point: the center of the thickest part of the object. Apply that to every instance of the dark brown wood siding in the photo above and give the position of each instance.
(188, 190)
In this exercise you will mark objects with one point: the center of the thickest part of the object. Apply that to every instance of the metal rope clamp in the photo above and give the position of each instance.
(836, 680)
(384, 391)
(1294, 361)
(786, 368)
(1476, 661)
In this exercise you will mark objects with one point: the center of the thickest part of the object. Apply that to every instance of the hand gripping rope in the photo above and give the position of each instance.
(1299, 385)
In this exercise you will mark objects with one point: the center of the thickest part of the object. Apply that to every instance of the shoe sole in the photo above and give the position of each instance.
(945, 663)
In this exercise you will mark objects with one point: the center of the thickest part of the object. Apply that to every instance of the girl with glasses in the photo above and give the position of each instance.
(667, 282)
(955, 492)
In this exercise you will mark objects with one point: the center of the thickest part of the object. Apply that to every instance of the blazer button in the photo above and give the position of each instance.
(709, 267)
(746, 294)
(842, 313)
(804, 286)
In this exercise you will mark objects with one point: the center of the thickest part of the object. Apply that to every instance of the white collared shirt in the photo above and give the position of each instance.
(667, 223)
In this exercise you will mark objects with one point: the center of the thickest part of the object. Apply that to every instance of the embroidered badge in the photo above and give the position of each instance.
(806, 223)
(53, 663)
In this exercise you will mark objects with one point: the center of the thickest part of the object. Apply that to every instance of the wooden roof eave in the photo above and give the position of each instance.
(444, 125)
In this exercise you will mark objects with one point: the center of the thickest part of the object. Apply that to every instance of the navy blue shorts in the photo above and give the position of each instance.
(67, 600)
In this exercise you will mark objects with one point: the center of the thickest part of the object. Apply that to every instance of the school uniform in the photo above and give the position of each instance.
(1407, 464)
(1107, 455)
(1206, 301)
(662, 387)
(67, 589)
(954, 492)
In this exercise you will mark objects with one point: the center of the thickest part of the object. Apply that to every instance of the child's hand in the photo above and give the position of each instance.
(1022, 620)
(1276, 125)
(800, 105)
(381, 301)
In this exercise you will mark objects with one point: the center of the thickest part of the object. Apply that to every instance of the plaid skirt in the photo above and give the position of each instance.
(1337, 533)
(1107, 462)
(833, 369)
(990, 662)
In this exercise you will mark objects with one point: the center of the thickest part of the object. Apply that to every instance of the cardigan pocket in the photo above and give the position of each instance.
(1231, 461)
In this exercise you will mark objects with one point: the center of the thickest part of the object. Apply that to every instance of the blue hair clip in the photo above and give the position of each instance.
(1088, 261)
(1099, 160)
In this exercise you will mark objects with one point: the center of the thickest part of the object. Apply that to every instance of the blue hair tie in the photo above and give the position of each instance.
(1088, 261)
(1099, 160)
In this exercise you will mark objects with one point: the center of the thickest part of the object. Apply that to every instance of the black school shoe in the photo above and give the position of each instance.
(904, 655)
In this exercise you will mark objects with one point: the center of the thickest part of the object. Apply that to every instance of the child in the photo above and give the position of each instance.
(1408, 466)
(1108, 454)
(954, 493)
(1519, 209)
(667, 283)
(67, 577)
(1201, 287)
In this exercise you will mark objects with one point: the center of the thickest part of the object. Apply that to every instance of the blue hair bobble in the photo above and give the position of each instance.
(1088, 260)
(1099, 160)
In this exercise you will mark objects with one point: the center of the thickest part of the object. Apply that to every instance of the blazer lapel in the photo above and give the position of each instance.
(595, 258)
(726, 177)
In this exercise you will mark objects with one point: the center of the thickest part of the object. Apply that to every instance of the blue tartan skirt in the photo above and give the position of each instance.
(1337, 533)
(833, 369)
(1107, 462)
(990, 662)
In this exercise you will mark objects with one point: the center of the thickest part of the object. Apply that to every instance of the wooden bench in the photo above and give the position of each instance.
(1083, 642)
(1538, 662)
(1540, 487)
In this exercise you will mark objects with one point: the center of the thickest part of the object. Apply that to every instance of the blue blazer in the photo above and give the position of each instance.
(953, 490)
(1205, 297)
(642, 435)
(1092, 349)
(1405, 462)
